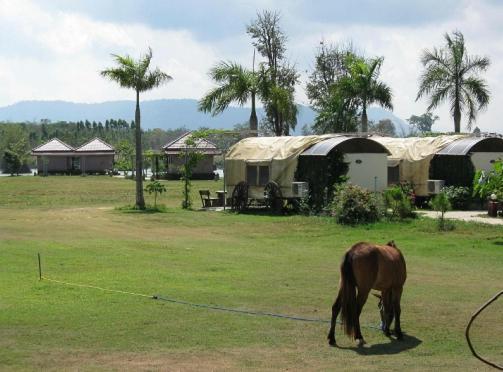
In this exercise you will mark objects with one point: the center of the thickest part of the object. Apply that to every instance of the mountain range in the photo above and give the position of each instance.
(162, 113)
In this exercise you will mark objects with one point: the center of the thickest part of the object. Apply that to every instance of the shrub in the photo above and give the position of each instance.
(440, 203)
(399, 201)
(354, 205)
(155, 187)
(485, 185)
(459, 196)
(322, 173)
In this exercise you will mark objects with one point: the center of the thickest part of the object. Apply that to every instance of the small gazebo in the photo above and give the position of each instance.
(175, 151)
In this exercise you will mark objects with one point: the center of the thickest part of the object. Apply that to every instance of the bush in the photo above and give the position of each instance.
(440, 203)
(484, 185)
(322, 173)
(459, 196)
(399, 201)
(354, 205)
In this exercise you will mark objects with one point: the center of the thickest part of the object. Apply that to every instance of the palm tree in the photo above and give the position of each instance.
(137, 75)
(235, 84)
(451, 74)
(362, 83)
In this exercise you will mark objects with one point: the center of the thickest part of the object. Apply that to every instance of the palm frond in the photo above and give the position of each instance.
(477, 88)
(382, 95)
(438, 95)
(135, 74)
(235, 84)
(475, 64)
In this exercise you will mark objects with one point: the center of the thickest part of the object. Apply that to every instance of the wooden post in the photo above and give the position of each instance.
(39, 268)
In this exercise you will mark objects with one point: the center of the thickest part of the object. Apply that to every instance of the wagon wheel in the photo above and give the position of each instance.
(239, 200)
(273, 197)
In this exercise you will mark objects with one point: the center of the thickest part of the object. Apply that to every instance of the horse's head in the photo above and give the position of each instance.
(391, 243)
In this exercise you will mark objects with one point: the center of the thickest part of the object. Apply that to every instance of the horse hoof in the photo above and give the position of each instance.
(387, 333)
(331, 342)
(360, 342)
(399, 336)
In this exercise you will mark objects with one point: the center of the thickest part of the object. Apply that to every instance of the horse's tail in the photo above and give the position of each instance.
(349, 310)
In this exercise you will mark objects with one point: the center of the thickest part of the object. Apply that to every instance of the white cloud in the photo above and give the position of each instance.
(402, 47)
(74, 48)
(58, 55)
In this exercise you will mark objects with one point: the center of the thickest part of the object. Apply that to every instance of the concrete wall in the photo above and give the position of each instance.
(96, 163)
(363, 168)
(205, 165)
(54, 163)
(482, 160)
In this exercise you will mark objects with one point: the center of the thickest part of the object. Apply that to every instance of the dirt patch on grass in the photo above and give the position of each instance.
(120, 361)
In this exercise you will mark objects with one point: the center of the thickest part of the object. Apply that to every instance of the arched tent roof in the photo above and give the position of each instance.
(466, 145)
(346, 145)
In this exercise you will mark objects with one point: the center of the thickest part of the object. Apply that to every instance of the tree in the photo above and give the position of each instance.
(125, 155)
(362, 83)
(384, 127)
(277, 77)
(15, 156)
(157, 188)
(235, 84)
(441, 203)
(452, 75)
(423, 123)
(336, 111)
(136, 74)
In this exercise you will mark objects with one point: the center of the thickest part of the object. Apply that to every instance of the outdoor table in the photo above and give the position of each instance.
(221, 197)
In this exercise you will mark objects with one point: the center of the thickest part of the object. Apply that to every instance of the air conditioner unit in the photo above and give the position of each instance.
(300, 189)
(434, 186)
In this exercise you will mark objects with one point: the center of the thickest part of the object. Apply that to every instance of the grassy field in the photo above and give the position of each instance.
(279, 264)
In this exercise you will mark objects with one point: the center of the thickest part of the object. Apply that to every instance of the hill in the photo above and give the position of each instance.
(163, 113)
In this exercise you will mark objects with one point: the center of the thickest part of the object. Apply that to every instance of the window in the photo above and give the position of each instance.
(393, 175)
(257, 175)
(251, 175)
(75, 163)
(263, 175)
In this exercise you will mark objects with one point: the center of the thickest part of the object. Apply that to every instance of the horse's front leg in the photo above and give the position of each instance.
(336, 307)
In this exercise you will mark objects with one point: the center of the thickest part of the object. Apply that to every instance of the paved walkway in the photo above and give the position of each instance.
(475, 216)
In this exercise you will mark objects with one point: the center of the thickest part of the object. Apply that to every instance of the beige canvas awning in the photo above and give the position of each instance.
(281, 152)
(414, 154)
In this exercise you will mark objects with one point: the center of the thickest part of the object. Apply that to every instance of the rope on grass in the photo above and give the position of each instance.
(204, 306)
(467, 332)
(95, 287)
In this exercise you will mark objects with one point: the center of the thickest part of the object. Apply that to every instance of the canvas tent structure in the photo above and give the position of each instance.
(450, 159)
(175, 151)
(260, 161)
(56, 156)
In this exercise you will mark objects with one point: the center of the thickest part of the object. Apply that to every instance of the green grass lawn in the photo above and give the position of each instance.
(287, 265)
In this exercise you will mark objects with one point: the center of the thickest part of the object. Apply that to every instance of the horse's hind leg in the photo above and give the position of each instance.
(388, 312)
(361, 298)
(336, 307)
(396, 297)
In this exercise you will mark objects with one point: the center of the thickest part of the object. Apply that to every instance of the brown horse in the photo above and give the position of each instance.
(369, 266)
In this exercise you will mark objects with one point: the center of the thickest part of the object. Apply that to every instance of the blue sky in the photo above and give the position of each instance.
(54, 49)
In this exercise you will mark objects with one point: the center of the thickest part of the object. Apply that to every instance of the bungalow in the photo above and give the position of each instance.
(174, 154)
(56, 156)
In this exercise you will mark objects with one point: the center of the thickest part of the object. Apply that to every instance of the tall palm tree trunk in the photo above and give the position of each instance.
(140, 201)
(253, 117)
(365, 126)
(457, 115)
